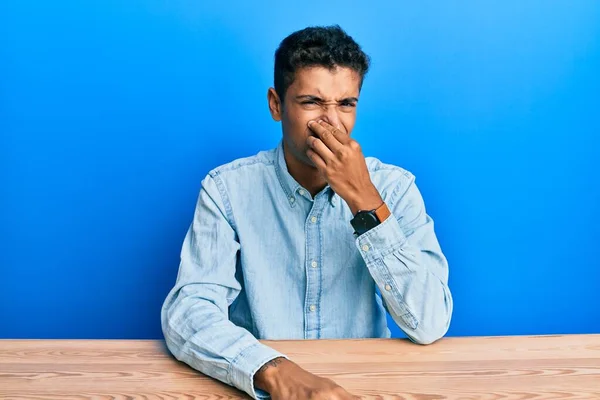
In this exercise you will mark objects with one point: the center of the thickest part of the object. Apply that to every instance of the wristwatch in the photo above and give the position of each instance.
(364, 220)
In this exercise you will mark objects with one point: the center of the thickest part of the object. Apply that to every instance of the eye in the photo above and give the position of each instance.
(310, 104)
(347, 106)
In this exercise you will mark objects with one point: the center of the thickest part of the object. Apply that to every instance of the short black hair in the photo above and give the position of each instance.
(324, 46)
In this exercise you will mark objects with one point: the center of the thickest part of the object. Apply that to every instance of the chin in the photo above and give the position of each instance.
(309, 163)
(300, 155)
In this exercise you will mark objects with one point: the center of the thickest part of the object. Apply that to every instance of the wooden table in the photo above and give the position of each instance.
(518, 367)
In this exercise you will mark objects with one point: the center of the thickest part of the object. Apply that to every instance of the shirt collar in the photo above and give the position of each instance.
(290, 186)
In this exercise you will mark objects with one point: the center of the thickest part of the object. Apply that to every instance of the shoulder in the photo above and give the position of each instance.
(384, 172)
(262, 159)
(239, 170)
(391, 180)
(241, 175)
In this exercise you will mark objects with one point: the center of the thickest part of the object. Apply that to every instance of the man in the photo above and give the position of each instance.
(292, 243)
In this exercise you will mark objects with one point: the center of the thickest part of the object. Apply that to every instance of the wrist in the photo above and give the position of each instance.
(365, 201)
(267, 376)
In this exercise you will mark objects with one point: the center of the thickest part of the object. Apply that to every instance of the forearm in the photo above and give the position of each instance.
(198, 333)
(412, 280)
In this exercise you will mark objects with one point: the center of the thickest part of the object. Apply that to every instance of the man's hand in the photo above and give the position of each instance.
(341, 162)
(285, 380)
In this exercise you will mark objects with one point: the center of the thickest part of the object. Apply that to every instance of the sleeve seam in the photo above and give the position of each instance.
(396, 192)
(225, 199)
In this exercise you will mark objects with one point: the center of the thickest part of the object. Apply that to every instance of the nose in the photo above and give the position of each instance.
(330, 115)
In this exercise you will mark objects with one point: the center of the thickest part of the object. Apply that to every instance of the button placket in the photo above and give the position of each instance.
(313, 273)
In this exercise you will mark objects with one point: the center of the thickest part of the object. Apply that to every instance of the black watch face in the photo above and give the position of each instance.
(363, 221)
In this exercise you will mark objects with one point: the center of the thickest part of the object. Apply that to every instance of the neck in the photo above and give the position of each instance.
(307, 176)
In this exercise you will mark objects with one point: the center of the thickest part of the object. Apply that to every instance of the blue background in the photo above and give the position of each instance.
(111, 113)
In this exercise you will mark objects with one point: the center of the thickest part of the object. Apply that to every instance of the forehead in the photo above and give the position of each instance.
(326, 83)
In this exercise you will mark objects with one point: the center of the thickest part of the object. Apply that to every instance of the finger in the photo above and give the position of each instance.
(337, 133)
(320, 148)
(326, 135)
(316, 159)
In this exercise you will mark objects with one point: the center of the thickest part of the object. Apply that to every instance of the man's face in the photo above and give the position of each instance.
(316, 93)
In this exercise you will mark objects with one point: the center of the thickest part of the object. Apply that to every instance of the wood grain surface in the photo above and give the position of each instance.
(489, 368)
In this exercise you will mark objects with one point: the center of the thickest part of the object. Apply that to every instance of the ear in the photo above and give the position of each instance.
(275, 104)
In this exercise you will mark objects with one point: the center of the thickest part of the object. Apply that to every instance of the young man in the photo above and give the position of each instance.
(292, 243)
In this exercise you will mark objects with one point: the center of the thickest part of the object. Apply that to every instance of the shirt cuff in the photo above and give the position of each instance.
(247, 363)
(381, 240)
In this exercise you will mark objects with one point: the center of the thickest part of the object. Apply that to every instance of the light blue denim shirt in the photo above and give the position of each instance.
(263, 259)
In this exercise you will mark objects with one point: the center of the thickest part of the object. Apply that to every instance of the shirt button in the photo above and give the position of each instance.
(388, 287)
(365, 247)
(312, 307)
(313, 220)
(314, 264)
(292, 199)
(302, 192)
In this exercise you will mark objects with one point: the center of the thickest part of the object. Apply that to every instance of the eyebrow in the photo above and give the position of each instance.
(318, 99)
